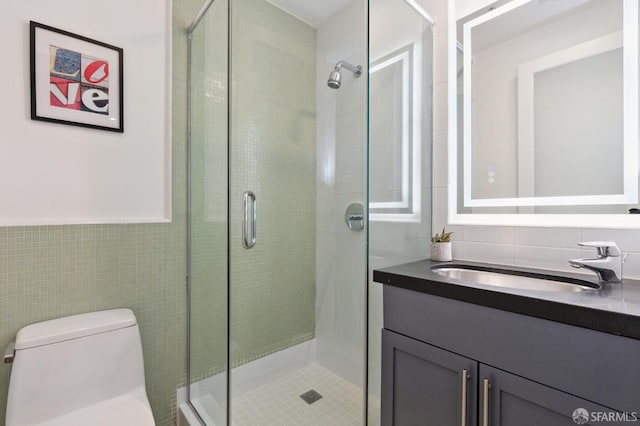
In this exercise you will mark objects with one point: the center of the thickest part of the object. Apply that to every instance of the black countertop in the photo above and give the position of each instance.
(615, 309)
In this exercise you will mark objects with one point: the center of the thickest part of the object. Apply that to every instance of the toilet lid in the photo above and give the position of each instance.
(125, 410)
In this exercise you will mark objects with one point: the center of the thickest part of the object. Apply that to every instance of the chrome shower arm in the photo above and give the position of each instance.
(356, 70)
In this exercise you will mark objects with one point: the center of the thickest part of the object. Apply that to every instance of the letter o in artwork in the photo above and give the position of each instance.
(96, 72)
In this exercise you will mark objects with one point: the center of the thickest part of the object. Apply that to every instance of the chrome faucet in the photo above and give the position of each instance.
(608, 264)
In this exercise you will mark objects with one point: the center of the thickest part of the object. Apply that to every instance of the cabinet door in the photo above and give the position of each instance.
(509, 400)
(425, 385)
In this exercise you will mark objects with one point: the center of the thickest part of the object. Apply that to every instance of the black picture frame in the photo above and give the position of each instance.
(72, 79)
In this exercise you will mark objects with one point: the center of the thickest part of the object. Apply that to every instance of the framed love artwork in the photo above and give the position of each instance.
(75, 80)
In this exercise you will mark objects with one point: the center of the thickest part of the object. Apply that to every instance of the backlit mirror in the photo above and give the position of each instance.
(544, 110)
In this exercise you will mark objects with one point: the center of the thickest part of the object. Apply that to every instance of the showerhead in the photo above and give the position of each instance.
(335, 78)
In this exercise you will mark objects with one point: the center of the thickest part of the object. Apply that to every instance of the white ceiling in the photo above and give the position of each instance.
(312, 12)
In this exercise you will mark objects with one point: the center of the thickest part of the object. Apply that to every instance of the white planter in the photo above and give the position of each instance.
(441, 252)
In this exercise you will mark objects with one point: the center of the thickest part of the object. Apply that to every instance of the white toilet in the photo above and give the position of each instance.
(80, 370)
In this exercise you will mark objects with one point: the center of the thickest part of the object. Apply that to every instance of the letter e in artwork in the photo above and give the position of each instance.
(95, 99)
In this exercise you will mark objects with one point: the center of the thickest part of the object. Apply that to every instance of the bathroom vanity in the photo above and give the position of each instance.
(460, 353)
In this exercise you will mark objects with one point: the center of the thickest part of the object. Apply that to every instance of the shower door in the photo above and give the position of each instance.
(207, 199)
(298, 276)
(278, 278)
(401, 80)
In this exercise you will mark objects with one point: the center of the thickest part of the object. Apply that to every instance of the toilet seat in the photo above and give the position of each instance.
(125, 410)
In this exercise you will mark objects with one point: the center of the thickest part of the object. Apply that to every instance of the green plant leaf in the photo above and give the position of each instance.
(443, 237)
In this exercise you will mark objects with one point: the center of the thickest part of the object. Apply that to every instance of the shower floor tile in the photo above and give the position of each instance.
(278, 403)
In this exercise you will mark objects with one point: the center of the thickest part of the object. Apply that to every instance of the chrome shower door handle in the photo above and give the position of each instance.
(248, 242)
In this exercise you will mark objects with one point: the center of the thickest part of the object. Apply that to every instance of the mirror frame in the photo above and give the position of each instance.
(630, 30)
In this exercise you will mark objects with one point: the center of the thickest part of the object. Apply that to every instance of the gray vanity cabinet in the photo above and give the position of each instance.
(521, 370)
(424, 385)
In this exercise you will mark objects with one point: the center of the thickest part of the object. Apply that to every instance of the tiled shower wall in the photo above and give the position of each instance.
(273, 155)
(273, 147)
(52, 271)
(525, 246)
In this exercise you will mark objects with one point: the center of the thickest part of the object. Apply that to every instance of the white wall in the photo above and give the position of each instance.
(579, 115)
(524, 246)
(53, 173)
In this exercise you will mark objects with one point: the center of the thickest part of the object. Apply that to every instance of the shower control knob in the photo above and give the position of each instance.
(354, 217)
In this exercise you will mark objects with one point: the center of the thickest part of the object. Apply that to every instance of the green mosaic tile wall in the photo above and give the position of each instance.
(53, 271)
(273, 153)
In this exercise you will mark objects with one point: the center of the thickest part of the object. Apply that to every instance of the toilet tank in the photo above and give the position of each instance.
(69, 363)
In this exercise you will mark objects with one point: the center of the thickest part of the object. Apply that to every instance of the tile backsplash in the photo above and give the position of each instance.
(547, 248)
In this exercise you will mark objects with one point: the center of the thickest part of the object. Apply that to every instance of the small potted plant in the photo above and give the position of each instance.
(441, 246)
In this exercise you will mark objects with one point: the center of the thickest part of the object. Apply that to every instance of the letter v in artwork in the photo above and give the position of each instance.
(59, 98)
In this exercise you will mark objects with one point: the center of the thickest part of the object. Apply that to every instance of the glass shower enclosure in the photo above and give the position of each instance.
(309, 165)
(277, 276)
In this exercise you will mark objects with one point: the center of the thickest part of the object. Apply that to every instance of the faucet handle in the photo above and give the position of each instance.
(605, 248)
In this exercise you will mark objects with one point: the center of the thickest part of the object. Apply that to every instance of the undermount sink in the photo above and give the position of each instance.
(513, 279)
